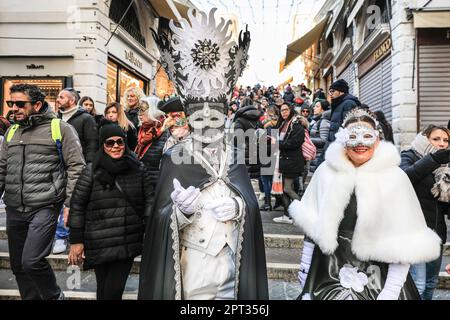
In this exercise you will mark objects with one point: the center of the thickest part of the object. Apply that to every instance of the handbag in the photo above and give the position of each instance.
(309, 150)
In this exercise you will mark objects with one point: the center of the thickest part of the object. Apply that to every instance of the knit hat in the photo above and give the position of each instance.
(108, 129)
(340, 85)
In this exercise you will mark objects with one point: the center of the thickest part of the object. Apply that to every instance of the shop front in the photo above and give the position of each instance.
(50, 74)
(375, 79)
(127, 67)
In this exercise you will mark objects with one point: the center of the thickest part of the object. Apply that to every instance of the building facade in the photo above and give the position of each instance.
(394, 54)
(100, 48)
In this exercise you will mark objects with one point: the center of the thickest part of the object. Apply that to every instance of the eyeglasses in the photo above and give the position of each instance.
(19, 104)
(111, 143)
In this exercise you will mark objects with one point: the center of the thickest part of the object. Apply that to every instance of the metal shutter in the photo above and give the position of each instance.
(375, 88)
(434, 85)
(387, 88)
(349, 75)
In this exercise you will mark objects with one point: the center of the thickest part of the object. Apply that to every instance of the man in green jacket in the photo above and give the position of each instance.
(38, 175)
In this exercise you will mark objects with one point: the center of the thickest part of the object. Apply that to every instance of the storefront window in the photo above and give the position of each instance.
(111, 82)
(119, 79)
(163, 84)
(50, 86)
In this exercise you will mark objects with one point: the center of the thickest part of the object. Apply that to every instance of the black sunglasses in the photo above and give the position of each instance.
(19, 104)
(111, 143)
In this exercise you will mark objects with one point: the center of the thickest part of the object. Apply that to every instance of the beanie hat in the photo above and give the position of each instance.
(340, 85)
(108, 129)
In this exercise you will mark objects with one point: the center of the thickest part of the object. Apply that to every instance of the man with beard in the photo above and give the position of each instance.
(86, 129)
(40, 162)
(204, 239)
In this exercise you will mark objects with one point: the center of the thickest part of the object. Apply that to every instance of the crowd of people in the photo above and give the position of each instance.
(71, 175)
(170, 180)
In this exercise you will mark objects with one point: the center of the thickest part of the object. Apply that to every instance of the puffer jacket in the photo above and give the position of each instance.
(339, 109)
(31, 174)
(420, 173)
(110, 227)
(86, 128)
(247, 118)
(319, 136)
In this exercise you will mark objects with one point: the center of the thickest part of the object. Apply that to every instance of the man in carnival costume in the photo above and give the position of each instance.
(362, 220)
(204, 239)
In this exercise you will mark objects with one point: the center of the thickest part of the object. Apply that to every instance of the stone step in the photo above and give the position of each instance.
(278, 290)
(270, 240)
(292, 241)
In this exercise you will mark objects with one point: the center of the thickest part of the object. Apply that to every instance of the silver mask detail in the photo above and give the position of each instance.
(360, 134)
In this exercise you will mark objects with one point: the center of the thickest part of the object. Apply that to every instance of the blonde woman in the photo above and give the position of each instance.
(115, 113)
(131, 99)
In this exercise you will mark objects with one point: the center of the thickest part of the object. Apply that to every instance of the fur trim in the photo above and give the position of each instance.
(390, 226)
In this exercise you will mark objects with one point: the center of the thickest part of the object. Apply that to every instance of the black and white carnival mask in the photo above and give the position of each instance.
(207, 121)
(204, 63)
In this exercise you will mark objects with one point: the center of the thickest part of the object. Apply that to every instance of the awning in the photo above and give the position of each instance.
(432, 19)
(163, 9)
(296, 48)
(354, 12)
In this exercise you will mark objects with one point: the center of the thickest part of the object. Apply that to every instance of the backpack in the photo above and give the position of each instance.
(308, 148)
(56, 136)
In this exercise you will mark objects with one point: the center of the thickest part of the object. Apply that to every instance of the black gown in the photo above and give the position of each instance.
(341, 275)
(159, 272)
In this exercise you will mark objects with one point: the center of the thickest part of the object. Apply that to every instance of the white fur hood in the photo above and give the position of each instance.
(390, 226)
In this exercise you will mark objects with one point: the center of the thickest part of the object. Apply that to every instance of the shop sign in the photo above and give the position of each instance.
(34, 66)
(382, 50)
(129, 55)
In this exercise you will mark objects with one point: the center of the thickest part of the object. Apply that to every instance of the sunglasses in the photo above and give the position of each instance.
(19, 104)
(111, 143)
(331, 91)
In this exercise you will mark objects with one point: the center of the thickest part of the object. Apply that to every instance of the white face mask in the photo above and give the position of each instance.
(360, 134)
(207, 121)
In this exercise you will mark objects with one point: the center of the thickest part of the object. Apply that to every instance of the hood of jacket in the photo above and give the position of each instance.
(249, 113)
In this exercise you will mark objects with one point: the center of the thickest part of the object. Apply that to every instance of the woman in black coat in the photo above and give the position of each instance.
(291, 165)
(428, 152)
(108, 206)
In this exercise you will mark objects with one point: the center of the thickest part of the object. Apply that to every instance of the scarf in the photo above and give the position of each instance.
(422, 145)
(106, 169)
(67, 114)
(148, 133)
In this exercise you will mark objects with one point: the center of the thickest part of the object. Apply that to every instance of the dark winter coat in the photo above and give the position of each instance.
(110, 227)
(247, 118)
(319, 136)
(152, 158)
(420, 172)
(31, 172)
(339, 109)
(86, 128)
(133, 116)
(288, 97)
(291, 158)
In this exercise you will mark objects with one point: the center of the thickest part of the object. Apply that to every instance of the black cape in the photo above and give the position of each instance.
(160, 275)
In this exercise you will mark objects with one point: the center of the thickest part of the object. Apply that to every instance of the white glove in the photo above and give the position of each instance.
(185, 199)
(395, 279)
(223, 209)
(305, 263)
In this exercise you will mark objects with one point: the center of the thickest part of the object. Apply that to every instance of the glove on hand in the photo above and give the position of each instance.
(395, 279)
(441, 156)
(223, 209)
(185, 199)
